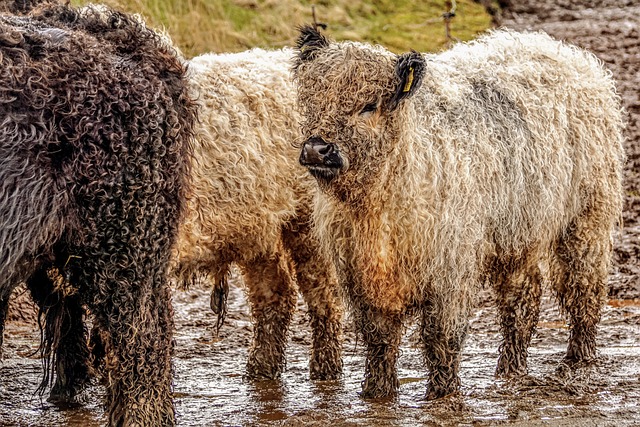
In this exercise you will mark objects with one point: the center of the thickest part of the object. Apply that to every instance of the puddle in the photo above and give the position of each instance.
(624, 302)
(210, 388)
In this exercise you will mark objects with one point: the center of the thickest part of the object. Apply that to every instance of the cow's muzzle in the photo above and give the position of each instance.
(321, 158)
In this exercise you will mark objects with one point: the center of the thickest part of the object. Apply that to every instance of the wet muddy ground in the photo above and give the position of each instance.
(210, 389)
(209, 386)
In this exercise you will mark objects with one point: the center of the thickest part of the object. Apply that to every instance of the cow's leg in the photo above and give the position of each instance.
(131, 302)
(382, 333)
(517, 285)
(443, 330)
(272, 293)
(318, 284)
(579, 271)
(65, 336)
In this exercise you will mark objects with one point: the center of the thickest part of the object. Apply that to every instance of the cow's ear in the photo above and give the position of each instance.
(410, 68)
(309, 42)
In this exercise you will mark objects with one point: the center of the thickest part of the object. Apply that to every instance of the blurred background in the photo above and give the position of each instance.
(199, 26)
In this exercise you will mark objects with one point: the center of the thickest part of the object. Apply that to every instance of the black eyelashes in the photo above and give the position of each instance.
(369, 108)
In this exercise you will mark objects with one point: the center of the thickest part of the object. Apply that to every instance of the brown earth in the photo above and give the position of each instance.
(210, 389)
(209, 386)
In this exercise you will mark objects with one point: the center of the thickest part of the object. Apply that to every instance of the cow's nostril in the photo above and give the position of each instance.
(311, 153)
(327, 149)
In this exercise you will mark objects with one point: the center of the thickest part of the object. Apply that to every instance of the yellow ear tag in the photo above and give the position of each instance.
(407, 85)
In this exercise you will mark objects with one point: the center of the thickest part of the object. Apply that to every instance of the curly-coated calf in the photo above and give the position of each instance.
(498, 160)
(250, 203)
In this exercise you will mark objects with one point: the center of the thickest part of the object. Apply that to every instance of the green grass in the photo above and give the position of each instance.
(199, 26)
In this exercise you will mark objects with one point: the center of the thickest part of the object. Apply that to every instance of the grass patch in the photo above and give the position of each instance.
(199, 26)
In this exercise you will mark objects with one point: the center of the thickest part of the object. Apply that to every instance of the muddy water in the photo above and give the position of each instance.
(210, 389)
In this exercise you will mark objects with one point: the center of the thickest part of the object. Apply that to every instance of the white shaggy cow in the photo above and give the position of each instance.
(499, 160)
(250, 204)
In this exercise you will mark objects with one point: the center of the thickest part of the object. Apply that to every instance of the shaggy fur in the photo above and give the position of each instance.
(23, 6)
(250, 204)
(498, 160)
(94, 147)
(63, 347)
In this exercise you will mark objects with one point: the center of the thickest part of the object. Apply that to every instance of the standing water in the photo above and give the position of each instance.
(210, 388)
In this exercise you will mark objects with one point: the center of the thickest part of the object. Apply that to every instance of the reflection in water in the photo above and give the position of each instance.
(268, 398)
(624, 302)
(210, 389)
(328, 393)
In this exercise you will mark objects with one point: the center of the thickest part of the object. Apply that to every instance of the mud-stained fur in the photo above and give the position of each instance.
(95, 130)
(497, 161)
(250, 204)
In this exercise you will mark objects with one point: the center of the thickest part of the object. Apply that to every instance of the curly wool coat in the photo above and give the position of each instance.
(95, 130)
(250, 203)
(499, 160)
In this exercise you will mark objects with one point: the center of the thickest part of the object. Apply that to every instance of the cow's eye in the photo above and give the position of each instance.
(369, 108)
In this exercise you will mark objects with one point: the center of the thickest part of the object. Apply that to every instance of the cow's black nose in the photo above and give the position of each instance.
(315, 151)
